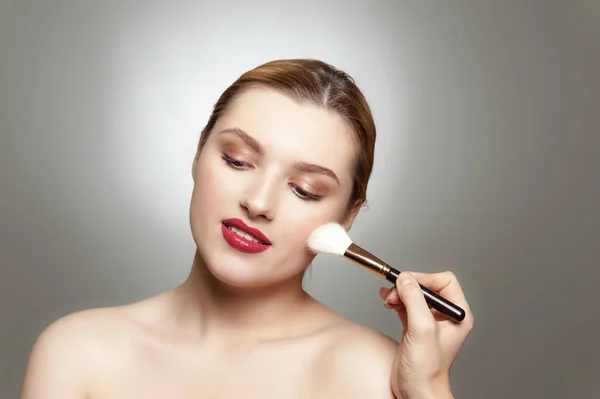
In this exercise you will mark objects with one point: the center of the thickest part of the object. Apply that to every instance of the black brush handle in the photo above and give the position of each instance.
(375, 265)
(435, 301)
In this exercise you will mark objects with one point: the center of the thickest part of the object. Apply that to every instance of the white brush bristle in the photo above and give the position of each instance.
(330, 238)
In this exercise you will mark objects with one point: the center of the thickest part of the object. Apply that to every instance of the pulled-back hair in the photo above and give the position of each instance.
(321, 84)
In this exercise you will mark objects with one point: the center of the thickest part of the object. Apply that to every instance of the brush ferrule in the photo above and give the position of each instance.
(375, 265)
(367, 260)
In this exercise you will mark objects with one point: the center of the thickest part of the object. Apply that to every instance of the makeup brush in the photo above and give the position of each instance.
(331, 238)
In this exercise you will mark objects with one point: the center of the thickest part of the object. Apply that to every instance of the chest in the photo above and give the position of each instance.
(269, 373)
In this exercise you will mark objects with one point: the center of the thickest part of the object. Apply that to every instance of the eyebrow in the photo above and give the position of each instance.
(251, 142)
(312, 168)
(301, 166)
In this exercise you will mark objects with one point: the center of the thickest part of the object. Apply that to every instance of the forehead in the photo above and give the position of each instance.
(291, 130)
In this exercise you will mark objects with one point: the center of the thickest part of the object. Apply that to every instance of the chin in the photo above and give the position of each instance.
(247, 272)
(236, 272)
(232, 268)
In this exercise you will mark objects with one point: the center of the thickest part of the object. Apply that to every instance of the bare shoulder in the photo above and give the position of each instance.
(358, 362)
(71, 350)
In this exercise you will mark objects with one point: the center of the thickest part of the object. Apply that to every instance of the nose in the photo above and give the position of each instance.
(259, 199)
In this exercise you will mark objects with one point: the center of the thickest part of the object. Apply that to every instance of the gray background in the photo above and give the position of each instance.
(488, 159)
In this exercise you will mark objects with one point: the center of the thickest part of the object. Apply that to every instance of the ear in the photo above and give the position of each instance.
(194, 166)
(348, 220)
(196, 159)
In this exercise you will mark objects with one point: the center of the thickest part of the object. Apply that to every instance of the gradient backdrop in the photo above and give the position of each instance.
(488, 163)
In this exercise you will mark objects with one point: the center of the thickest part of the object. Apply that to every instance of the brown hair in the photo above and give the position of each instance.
(321, 84)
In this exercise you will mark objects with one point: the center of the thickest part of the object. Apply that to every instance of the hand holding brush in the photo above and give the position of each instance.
(435, 327)
(331, 238)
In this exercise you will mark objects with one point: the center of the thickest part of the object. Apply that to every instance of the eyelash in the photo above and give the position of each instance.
(300, 193)
(234, 163)
(305, 195)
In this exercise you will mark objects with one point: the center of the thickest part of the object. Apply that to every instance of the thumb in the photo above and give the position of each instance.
(419, 319)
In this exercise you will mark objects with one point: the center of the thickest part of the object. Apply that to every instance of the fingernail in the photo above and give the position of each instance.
(393, 298)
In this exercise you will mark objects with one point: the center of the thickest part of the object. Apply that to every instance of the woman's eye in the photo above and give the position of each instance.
(234, 163)
(305, 195)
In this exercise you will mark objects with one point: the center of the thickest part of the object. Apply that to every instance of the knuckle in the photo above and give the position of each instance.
(450, 275)
(470, 322)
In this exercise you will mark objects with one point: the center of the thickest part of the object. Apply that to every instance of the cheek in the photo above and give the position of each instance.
(300, 225)
(210, 192)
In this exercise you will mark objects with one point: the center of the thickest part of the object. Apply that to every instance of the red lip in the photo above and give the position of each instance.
(244, 227)
(240, 243)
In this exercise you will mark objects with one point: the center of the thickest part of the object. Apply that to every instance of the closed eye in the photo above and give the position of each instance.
(299, 192)
(305, 195)
(234, 163)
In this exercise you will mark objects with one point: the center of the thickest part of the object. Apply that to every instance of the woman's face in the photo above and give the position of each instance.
(273, 165)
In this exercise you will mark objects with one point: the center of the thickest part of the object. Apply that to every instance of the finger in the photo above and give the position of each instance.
(444, 283)
(384, 292)
(399, 307)
(391, 297)
(420, 320)
(392, 301)
(435, 281)
(401, 310)
(447, 285)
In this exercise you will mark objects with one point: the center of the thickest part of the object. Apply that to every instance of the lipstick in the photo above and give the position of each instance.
(244, 238)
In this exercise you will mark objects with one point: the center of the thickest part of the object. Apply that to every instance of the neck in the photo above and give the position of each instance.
(215, 310)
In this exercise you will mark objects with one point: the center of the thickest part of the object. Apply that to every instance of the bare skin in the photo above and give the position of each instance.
(151, 349)
(241, 325)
